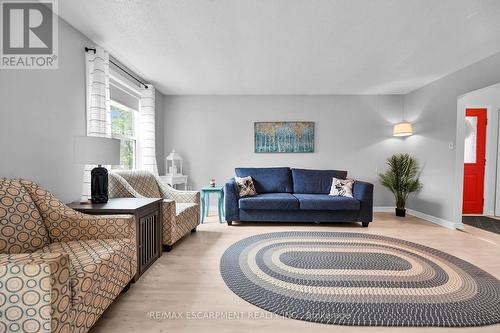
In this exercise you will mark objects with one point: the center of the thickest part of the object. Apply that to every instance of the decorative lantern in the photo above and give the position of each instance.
(174, 164)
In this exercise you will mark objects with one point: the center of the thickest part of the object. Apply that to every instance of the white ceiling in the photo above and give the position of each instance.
(290, 46)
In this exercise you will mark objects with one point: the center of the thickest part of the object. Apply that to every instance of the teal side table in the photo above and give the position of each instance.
(205, 201)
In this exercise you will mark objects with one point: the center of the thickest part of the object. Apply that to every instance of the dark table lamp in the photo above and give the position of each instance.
(101, 151)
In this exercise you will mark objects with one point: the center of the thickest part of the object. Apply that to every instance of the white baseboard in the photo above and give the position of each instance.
(423, 216)
(433, 219)
(383, 209)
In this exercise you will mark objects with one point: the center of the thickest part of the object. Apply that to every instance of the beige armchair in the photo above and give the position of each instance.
(59, 269)
(181, 209)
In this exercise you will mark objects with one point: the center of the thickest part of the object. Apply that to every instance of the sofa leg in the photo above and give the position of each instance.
(193, 230)
(229, 222)
(127, 287)
(167, 248)
(365, 224)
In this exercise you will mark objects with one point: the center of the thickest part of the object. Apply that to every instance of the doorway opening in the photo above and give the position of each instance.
(474, 160)
(478, 159)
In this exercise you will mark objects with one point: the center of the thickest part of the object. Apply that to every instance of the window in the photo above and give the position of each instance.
(470, 146)
(123, 127)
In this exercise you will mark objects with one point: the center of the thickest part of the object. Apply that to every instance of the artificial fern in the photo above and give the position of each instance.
(401, 178)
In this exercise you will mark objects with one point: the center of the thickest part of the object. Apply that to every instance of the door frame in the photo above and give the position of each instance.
(459, 152)
(459, 160)
(487, 110)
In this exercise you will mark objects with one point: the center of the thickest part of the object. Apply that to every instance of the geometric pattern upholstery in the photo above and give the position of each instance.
(21, 226)
(66, 285)
(65, 224)
(91, 259)
(180, 209)
(35, 292)
(183, 208)
(118, 187)
(184, 216)
(143, 182)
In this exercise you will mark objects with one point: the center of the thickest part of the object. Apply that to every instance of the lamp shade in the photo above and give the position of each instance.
(96, 150)
(402, 129)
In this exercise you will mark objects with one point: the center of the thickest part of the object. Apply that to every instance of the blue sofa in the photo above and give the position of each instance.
(297, 195)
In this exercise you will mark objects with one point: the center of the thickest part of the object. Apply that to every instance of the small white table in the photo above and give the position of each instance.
(174, 180)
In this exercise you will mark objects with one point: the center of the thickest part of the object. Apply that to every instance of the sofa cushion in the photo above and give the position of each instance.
(326, 202)
(269, 180)
(21, 225)
(315, 181)
(270, 201)
(98, 268)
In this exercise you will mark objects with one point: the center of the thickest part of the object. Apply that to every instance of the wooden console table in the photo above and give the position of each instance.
(147, 212)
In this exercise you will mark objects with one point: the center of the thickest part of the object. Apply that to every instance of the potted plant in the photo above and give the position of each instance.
(401, 179)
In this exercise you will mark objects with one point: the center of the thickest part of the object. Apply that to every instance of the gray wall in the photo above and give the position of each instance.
(214, 134)
(433, 109)
(42, 110)
(40, 113)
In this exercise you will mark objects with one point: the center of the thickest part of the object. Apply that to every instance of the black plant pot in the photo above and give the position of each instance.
(401, 212)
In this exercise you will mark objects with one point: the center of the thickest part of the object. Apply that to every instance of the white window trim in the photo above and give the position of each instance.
(135, 137)
(144, 111)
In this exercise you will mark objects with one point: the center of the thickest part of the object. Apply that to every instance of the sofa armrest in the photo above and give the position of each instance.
(66, 224)
(231, 197)
(37, 289)
(169, 192)
(363, 192)
(70, 225)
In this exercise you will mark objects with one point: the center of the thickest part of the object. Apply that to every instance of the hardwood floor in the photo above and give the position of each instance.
(187, 279)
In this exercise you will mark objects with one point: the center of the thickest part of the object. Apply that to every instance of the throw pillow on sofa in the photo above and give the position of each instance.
(342, 187)
(245, 186)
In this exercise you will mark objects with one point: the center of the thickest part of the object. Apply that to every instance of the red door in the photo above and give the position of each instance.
(474, 161)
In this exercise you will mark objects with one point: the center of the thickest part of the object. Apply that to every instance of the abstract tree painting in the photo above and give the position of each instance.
(284, 137)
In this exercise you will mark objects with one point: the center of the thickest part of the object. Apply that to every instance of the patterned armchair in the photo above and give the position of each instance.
(59, 269)
(181, 209)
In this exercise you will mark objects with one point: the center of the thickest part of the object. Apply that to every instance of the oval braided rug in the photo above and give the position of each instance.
(359, 279)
